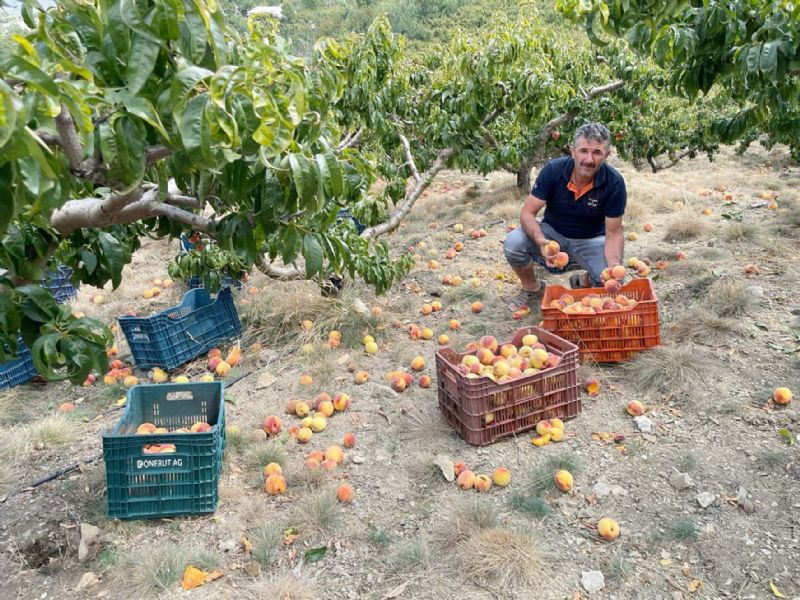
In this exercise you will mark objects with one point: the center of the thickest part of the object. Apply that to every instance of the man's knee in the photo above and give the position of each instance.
(517, 248)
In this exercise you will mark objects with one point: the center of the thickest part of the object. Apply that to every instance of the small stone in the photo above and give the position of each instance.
(88, 579)
(357, 459)
(756, 290)
(707, 529)
(643, 423)
(601, 490)
(592, 581)
(680, 481)
(706, 499)
(445, 464)
(265, 380)
(89, 535)
(227, 545)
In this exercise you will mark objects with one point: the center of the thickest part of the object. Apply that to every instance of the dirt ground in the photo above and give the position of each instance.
(708, 500)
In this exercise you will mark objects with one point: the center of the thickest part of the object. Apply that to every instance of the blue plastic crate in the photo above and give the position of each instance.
(19, 370)
(142, 484)
(179, 334)
(194, 283)
(346, 214)
(59, 284)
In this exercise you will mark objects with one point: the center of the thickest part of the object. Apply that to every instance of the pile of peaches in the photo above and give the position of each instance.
(595, 303)
(506, 362)
(150, 429)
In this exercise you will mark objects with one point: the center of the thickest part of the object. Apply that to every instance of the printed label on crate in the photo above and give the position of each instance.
(171, 463)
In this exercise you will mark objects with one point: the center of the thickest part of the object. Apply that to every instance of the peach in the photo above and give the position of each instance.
(751, 270)
(334, 343)
(557, 435)
(161, 430)
(450, 254)
(334, 453)
(341, 402)
(272, 425)
(482, 483)
(635, 408)
(563, 480)
(318, 423)
(168, 448)
(200, 427)
(612, 286)
(425, 381)
(427, 333)
(633, 236)
(167, 283)
(275, 485)
(97, 299)
(304, 435)
(130, 381)
(398, 384)
(328, 464)
(371, 348)
(361, 377)
(112, 351)
(307, 325)
(222, 368)
(234, 430)
(349, 440)
(301, 409)
(544, 427)
(432, 264)
(458, 227)
(485, 356)
(541, 440)
(66, 407)
(456, 280)
(459, 467)
(454, 324)
(159, 376)
(706, 211)
(648, 227)
(344, 493)
(234, 356)
(466, 480)
(326, 408)
(306, 379)
(377, 311)
(418, 363)
(560, 260)
(443, 339)
(632, 262)
(618, 272)
(605, 274)
(551, 248)
(782, 396)
(772, 205)
(272, 468)
(291, 406)
(661, 265)
(458, 246)
(642, 269)
(436, 306)
(529, 340)
(426, 309)
(508, 350)
(476, 307)
(501, 368)
(608, 528)
(501, 477)
(489, 342)
(556, 424)
(592, 386)
(213, 362)
(214, 352)
(312, 464)
(317, 455)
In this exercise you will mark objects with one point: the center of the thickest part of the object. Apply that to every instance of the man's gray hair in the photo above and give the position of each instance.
(592, 132)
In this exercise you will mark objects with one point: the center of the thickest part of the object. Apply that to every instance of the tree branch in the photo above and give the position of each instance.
(571, 114)
(119, 209)
(68, 138)
(155, 153)
(673, 160)
(276, 272)
(409, 158)
(408, 202)
(351, 139)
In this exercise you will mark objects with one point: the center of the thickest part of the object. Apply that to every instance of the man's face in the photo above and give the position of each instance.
(589, 156)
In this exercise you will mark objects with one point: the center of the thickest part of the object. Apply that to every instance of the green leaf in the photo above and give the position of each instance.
(315, 554)
(304, 180)
(312, 252)
(37, 303)
(113, 256)
(144, 109)
(787, 435)
(89, 260)
(141, 62)
(30, 74)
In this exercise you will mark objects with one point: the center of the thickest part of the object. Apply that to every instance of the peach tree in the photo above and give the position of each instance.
(748, 48)
(120, 120)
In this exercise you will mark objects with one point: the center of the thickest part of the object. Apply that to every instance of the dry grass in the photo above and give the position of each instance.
(253, 509)
(318, 512)
(464, 516)
(541, 477)
(15, 407)
(282, 586)
(507, 559)
(737, 231)
(266, 540)
(699, 325)
(8, 479)
(304, 478)
(673, 370)
(146, 572)
(729, 298)
(412, 554)
(424, 424)
(657, 253)
(259, 456)
(422, 469)
(52, 431)
(684, 228)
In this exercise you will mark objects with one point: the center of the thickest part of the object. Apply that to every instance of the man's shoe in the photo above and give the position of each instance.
(525, 298)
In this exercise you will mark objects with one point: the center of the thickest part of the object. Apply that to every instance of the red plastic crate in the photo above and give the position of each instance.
(515, 406)
(610, 336)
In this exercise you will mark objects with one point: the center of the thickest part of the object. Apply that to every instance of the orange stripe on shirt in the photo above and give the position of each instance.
(578, 193)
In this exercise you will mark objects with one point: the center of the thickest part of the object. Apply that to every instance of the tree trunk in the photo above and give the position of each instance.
(524, 176)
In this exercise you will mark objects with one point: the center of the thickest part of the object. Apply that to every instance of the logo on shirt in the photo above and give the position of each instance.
(592, 202)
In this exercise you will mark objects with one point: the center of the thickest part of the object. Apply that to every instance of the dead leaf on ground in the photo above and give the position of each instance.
(194, 577)
(694, 585)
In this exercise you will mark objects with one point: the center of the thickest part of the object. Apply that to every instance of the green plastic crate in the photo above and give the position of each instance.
(146, 486)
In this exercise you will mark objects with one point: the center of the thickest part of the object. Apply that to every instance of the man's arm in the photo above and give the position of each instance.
(615, 242)
(527, 218)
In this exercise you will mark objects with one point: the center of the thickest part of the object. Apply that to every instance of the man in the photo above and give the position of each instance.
(585, 200)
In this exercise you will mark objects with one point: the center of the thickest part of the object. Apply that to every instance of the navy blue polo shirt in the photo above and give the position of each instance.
(585, 217)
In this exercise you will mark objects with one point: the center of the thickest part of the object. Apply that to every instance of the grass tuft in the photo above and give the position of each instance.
(619, 567)
(467, 515)
(8, 479)
(684, 530)
(687, 462)
(729, 298)
(701, 325)
(542, 476)
(283, 586)
(412, 554)
(773, 460)
(531, 505)
(378, 537)
(508, 559)
(318, 512)
(674, 370)
(52, 431)
(424, 424)
(684, 229)
(260, 455)
(266, 539)
(145, 572)
(737, 231)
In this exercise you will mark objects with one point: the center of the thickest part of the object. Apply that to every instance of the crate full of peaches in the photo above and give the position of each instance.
(495, 390)
(164, 455)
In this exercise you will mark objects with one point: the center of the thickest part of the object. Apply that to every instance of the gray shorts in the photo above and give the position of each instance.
(589, 254)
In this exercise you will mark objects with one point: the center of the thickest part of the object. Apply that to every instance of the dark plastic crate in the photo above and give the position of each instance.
(184, 482)
(18, 371)
(515, 406)
(179, 334)
(59, 284)
(346, 214)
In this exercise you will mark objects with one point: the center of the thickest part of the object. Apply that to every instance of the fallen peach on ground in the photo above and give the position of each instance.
(563, 480)
(608, 528)
(501, 476)
(344, 493)
(466, 480)
(349, 440)
(275, 485)
(782, 396)
(482, 483)
(635, 408)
